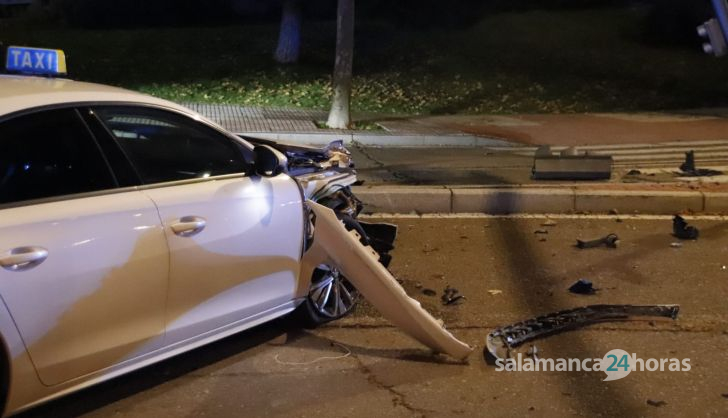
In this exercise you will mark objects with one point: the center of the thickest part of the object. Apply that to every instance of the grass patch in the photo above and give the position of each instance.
(542, 61)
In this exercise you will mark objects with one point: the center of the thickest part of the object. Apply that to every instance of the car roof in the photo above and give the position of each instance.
(26, 92)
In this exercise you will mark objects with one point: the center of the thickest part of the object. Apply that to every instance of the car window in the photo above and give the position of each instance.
(47, 154)
(164, 146)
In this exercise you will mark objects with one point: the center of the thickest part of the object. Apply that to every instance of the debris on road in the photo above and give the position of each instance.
(548, 223)
(316, 360)
(725, 395)
(541, 231)
(676, 244)
(451, 296)
(656, 403)
(429, 292)
(494, 292)
(634, 172)
(688, 167)
(336, 246)
(583, 287)
(682, 230)
(611, 241)
(502, 340)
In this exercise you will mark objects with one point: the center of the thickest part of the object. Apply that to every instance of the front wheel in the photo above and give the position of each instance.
(331, 295)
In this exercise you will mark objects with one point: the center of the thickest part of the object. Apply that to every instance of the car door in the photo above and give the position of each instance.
(235, 240)
(84, 264)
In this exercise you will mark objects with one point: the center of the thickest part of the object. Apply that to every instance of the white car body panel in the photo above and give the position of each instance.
(246, 258)
(336, 246)
(26, 390)
(127, 283)
(101, 292)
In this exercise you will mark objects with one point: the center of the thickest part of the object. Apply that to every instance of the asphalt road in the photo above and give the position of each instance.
(363, 367)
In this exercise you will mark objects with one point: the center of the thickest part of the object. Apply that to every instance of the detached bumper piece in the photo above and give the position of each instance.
(381, 238)
(502, 340)
(570, 165)
(334, 245)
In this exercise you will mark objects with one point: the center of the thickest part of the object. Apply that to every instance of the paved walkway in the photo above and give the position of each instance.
(249, 119)
(553, 129)
(588, 129)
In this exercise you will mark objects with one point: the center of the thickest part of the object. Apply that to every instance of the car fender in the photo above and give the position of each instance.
(334, 245)
(24, 385)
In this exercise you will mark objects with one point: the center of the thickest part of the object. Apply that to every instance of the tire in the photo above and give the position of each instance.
(331, 296)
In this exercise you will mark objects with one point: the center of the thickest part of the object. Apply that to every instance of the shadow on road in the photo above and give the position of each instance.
(128, 385)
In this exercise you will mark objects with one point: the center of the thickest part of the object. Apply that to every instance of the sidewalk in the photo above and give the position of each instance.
(425, 180)
(537, 129)
(298, 126)
(582, 129)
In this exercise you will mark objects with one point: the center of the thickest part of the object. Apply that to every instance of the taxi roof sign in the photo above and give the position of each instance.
(38, 61)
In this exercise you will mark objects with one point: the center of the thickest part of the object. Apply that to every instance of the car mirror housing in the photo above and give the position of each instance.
(268, 161)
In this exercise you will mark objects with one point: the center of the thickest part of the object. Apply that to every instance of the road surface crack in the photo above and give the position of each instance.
(398, 398)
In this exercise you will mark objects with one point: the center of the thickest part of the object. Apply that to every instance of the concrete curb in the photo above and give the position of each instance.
(532, 200)
(373, 139)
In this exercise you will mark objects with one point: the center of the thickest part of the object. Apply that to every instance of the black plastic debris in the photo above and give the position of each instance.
(656, 403)
(725, 395)
(610, 241)
(429, 292)
(682, 230)
(583, 287)
(634, 172)
(451, 296)
(503, 340)
(380, 236)
(688, 167)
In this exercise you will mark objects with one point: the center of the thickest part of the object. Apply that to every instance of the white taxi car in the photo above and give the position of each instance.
(133, 229)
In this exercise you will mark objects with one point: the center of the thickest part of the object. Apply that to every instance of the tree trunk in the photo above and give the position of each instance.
(340, 116)
(289, 37)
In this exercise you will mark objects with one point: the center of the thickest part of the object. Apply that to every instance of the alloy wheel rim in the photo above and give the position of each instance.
(332, 294)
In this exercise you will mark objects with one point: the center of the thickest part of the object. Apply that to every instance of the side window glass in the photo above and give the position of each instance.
(164, 146)
(48, 154)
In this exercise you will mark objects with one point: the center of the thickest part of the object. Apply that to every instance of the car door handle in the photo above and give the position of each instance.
(188, 226)
(23, 258)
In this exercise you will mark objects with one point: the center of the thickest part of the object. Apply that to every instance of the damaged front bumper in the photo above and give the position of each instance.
(502, 340)
(334, 245)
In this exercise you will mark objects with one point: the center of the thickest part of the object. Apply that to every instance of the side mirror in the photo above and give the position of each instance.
(268, 161)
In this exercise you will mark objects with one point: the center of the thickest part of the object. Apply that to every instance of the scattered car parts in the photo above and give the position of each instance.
(429, 292)
(688, 167)
(451, 296)
(502, 340)
(334, 245)
(610, 241)
(682, 230)
(658, 404)
(583, 287)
